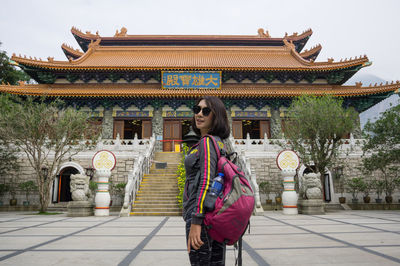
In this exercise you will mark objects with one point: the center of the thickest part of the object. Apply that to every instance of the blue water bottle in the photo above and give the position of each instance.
(214, 191)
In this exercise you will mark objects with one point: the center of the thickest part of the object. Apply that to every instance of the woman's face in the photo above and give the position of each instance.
(203, 121)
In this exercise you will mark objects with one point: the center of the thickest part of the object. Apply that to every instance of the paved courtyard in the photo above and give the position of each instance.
(338, 238)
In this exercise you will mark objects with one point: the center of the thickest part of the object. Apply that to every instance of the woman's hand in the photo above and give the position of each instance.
(194, 237)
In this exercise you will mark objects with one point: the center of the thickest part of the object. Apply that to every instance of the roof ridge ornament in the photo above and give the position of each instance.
(95, 44)
(288, 44)
(358, 84)
(122, 33)
(262, 34)
(50, 59)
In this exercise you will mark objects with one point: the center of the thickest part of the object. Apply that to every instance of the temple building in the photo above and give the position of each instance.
(146, 85)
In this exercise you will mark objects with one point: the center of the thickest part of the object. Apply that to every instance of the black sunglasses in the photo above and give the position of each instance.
(206, 110)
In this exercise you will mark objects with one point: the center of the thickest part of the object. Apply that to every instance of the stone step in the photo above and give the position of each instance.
(171, 170)
(156, 190)
(157, 194)
(156, 201)
(155, 209)
(172, 200)
(151, 175)
(156, 205)
(156, 213)
(161, 179)
(159, 183)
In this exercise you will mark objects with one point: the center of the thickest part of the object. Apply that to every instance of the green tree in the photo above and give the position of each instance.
(382, 140)
(382, 147)
(315, 129)
(9, 74)
(8, 158)
(47, 133)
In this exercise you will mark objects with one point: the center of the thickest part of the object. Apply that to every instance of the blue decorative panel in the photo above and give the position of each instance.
(250, 114)
(133, 114)
(191, 79)
(183, 114)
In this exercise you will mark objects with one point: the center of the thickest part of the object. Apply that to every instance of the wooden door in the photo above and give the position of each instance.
(146, 129)
(172, 131)
(265, 127)
(237, 129)
(118, 129)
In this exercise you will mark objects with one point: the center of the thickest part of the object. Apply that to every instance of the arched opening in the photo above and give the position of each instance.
(326, 180)
(63, 188)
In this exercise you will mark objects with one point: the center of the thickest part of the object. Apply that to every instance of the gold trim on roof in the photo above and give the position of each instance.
(237, 58)
(227, 90)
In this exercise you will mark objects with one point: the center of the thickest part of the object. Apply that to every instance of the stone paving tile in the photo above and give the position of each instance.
(170, 242)
(323, 228)
(6, 229)
(390, 251)
(14, 243)
(173, 231)
(116, 231)
(20, 224)
(340, 238)
(40, 231)
(94, 242)
(289, 241)
(67, 258)
(394, 227)
(277, 229)
(369, 239)
(168, 257)
(322, 256)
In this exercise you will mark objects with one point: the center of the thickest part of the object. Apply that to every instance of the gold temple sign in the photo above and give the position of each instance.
(287, 160)
(191, 79)
(104, 160)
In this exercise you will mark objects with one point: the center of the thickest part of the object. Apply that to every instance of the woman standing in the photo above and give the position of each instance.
(210, 118)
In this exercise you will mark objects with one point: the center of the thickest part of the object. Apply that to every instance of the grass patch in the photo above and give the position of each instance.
(48, 213)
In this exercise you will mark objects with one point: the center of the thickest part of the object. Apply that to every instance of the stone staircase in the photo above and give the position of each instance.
(159, 189)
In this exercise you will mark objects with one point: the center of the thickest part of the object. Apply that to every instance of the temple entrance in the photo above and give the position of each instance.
(255, 128)
(173, 132)
(61, 185)
(127, 128)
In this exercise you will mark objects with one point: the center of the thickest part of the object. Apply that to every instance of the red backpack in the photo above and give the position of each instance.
(229, 220)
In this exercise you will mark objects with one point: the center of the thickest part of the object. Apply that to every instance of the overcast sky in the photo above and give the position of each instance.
(344, 28)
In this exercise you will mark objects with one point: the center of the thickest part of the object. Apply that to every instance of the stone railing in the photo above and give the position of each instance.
(275, 145)
(141, 167)
(245, 166)
(118, 144)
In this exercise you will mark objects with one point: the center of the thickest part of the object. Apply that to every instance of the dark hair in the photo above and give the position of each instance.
(220, 125)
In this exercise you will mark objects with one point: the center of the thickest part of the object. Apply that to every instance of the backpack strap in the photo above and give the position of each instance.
(216, 147)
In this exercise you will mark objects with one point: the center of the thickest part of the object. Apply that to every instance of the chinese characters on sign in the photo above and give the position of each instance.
(191, 80)
(251, 114)
(185, 114)
(133, 114)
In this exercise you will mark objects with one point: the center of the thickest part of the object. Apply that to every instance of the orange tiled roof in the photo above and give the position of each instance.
(306, 53)
(227, 90)
(191, 57)
(122, 34)
(70, 50)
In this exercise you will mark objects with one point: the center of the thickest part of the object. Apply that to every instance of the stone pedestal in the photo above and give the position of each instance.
(102, 198)
(311, 206)
(289, 195)
(80, 208)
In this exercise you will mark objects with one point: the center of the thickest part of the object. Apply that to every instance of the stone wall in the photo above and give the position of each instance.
(125, 162)
(263, 165)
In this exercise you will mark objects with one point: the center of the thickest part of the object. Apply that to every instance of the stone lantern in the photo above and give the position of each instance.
(190, 138)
